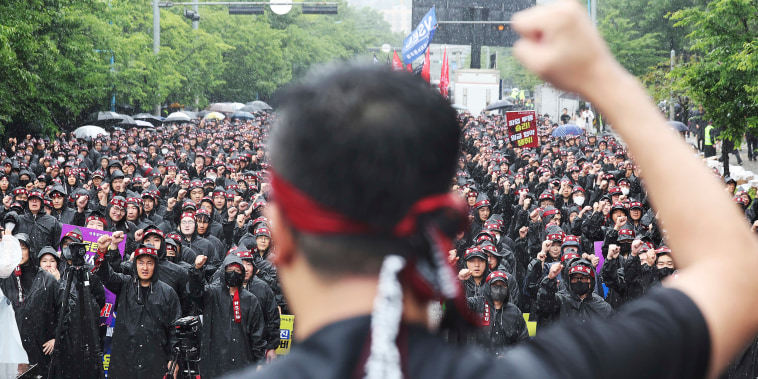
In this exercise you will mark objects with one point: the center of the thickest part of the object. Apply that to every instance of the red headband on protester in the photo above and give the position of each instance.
(308, 216)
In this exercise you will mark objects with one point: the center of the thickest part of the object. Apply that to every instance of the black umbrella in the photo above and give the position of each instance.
(155, 120)
(678, 126)
(126, 121)
(500, 104)
(105, 118)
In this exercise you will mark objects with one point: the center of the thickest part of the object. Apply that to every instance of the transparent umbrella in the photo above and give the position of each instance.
(90, 131)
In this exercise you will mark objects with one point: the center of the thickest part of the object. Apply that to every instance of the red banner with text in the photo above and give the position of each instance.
(522, 128)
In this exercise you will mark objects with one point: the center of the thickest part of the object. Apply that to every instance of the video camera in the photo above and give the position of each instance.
(75, 251)
(187, 327)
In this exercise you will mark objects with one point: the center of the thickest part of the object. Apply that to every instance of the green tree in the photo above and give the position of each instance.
(53, 74)
(638, 52)
(723, 73)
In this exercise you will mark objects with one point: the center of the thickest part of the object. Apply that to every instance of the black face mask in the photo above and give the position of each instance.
(580, 288)
(626, 248)
(233, 278)
(499, 293)
(173, 259)
(666, 271)
(23, 182)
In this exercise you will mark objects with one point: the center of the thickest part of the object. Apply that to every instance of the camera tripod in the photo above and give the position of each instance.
(87, 323)
(184, 356)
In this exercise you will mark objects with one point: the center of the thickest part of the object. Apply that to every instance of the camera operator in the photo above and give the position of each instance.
(232, 333)
(13, 351)
(143, 336)
(79, 352)
(34, 295)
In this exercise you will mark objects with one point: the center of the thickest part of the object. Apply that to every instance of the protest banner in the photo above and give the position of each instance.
(286, 324)
(522, 128)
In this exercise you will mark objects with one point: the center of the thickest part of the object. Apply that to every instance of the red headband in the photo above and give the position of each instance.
(306, 215)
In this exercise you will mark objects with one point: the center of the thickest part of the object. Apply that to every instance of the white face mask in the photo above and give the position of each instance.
(61, 159)
(625, 191)
(579, 200)
(164, 151)
(497, 237)
(212, 177)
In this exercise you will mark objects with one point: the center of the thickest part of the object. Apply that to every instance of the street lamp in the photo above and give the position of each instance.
(280, 9)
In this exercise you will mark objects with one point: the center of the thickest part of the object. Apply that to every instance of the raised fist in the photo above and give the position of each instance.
(200, 261)
(555, 270)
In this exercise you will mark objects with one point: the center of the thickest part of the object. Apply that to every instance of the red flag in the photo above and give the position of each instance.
(409, 68)
(425, 74)
(444, 76)
(397, 64)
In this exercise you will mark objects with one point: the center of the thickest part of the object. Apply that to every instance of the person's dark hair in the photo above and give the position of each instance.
(367, 142)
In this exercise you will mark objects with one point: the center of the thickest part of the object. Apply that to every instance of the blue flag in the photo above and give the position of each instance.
(416, 43)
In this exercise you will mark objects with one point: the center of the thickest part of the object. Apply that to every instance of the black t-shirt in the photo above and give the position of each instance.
(662, 335)
(565, 118)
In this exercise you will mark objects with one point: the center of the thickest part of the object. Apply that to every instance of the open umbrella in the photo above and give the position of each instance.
(257, 106)
(127, 121)
(155, 120)
(202, 114)
(567, 130)
(177, 117)
(106, 118)
(242, 115)
(500, 104)
(223, 107)
(214, 116)
(678, 126)
(143, 124)
(90, 131)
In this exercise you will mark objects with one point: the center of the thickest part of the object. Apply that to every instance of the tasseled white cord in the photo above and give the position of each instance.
(446, 277)
(384, 359)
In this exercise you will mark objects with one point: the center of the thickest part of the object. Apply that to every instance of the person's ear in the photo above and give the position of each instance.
(281, 232)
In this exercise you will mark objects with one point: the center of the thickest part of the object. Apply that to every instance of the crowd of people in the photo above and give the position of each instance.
(562, 231)
(185, 204)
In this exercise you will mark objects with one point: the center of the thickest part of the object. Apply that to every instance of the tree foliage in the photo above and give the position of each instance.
(723, 71)
(52, 69)
(55, 56)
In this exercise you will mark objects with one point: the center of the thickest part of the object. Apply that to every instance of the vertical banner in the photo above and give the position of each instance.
(286, 324)
(107, 316)
(522, 128)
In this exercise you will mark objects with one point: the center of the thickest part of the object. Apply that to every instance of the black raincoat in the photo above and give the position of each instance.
(43, 230)
(226, 345)
(500, 328)
(37, 314)
(143, 336)
(553, 305)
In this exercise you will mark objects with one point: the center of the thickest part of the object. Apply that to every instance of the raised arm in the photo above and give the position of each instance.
(548, 48)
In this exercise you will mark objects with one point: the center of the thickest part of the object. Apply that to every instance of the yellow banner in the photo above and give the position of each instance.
(531, 326)
(285, 334)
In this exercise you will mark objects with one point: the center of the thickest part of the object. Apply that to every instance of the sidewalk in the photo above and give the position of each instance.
(745, 171)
